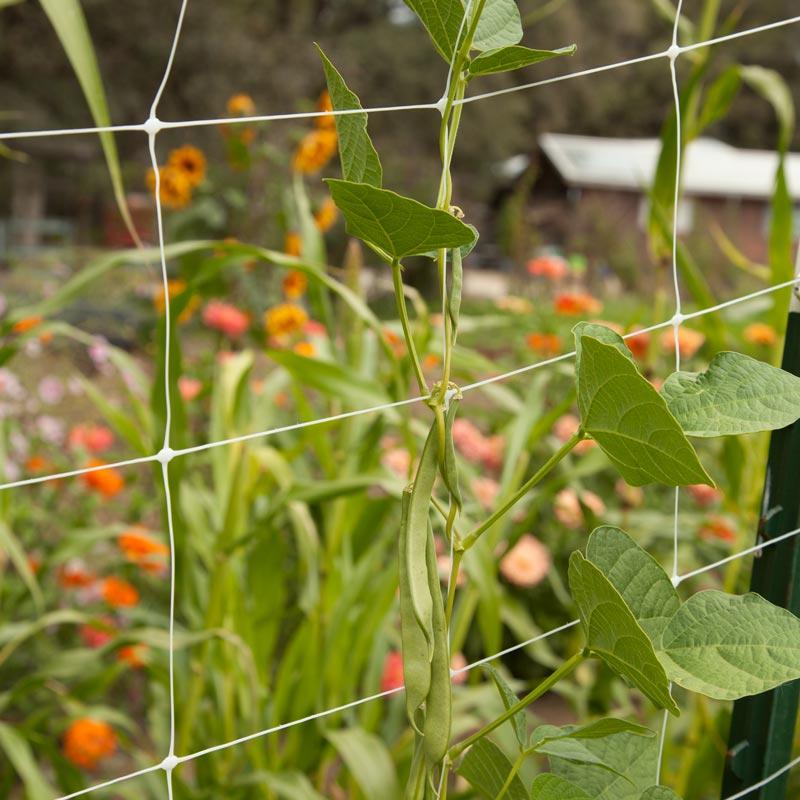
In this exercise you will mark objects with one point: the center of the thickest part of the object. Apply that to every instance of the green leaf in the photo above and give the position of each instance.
(635, 757)
(464, 250)
(719, 97)
(510, 699)
(637, 576)
(614, 635)
(486, 767)
(287, 785)
(69, 23)
(659, 793)
(552, 787)
(21, 758)
(506, 59)
(368, 760)
(630, 421)
(442, 19)
(393, 225)
(727, 646)
(360, 161)
(499, 26)
(736, 394)
(773, 88)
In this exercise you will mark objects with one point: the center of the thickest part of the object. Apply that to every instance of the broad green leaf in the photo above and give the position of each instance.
(69, 23)
(635, 757)
(464, 250)
(442, 19)
(637, 576)
(518, 721)
(659, 793)
(614, 635)
(19, 755)
(368, 760)
(393, 225)
(486, 767)
(630, 421)
(552, 787)
(727, 646)
(515, 57)
(603, 334)
(360, 162)
(736, 394)
(499, 26)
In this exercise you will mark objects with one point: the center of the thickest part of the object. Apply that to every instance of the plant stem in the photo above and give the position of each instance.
(548, 683)
(402, 310)
(547, 467)
(451, 586)
(511, 775)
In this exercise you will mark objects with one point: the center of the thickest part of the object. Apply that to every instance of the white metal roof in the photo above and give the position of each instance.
(711, 167)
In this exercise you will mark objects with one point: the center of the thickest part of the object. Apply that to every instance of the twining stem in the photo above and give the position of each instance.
(511, 775)
(402, 310)
(455, 566)
(548, 683)
(542, 472)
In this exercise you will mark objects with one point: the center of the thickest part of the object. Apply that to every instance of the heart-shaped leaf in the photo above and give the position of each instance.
(727, 646)
(614, 635)
(506, 59)
(393, 225)
(630, 421)
(552, 787)
(442, 19)
(486, 767)
(638, 577)
(500, 25)
(360, 161)
(736, 394)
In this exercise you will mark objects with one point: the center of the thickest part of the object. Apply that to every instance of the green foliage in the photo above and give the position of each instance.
(629, 419)
(442, 18)
(506, 59)
(553, 787)
(396, 226)
(518, 721)
(360, 161)
(368, 760)
(735, 395)
(487, 768)
(499, 25)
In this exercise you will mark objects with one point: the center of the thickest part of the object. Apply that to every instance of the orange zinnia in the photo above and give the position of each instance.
(577, 303)
(545, 344)
(304, 349)
(324, 104)
(315, 150)
(761, 334)
(638, 344)
(88, 741)
(118, 593)
(292, 244)
(134, 655)
(26, 324)
(144, 550)
(326, 215)
(241, 105)
(108, 481)
(689, 341)
(38, 464)
(190, 161)
(294, 284)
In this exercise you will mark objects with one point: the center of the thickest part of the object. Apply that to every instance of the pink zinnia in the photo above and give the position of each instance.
(392, 677)
(485, 490)
(226, 318)
(704, 495)
(92, 438)
(189, 387)
(397, 460)
(97, 634)
(526, 563)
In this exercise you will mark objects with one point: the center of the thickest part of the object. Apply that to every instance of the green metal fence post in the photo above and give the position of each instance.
(762, 728)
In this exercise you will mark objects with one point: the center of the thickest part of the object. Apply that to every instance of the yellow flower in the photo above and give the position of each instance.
(176, 286)
(294, 284)
(326, 215)
(175, 189)
(292, 244)
(315, 150)
(324, 104)
(284, 319)
(241, 105)
(304, 349)
(190, 161)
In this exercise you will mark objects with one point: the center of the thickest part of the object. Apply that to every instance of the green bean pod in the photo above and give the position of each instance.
(454, 295)
(450, 466)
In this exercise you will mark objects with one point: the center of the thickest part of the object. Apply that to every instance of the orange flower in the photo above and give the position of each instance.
(577, 303)
(544, 344)
(704, 495)
(93, 438)
(144, 550)
(396, 342)
(431, 361)
(175, 187)
(190, 161)
(327, 120)
(292, 244)
(175, 287)
(315, 150)
(689, 341)
(285, 319)
(226, 318)
(73, 576)
(88, 741)
(553, 268)
(526, 563)
(119, 593)
(304, 349)
(97, 634)
(718, 528)
(38, 464)
(109, 482)
(761, 334)
(392, 677)
(26, 324)
(189, 387)
(326, 216)
(134, 655)
(294, 284)
(638, 344)
(240, 105)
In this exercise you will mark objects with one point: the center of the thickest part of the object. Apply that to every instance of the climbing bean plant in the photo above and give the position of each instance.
(720, 645)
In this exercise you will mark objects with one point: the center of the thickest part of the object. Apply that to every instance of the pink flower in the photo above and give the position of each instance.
(631, 496)
(477, 448)
(99, 353)
(50, 429)
(397, 460)
(704, 495)
(567, 507)
(458, 662)
(526, 563)
(486, 491)
(189, 387)
(392, 677)
(553, 268)
(566, 427)
(96, 634)
(51, 390)
(314, 328)
(495, 448)
(92, 438)
(225, 318)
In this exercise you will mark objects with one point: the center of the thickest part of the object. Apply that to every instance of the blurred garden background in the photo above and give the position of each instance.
(285, 545)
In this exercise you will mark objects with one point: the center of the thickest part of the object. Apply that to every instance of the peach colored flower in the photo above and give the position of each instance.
(315, 150)
(392, 677)
(189, 387)
(689, 341)
(396, 342)
(38, 465)
(225, 318)
(89, 741)
(761, 334)
(568, 510)
(544, 344)
(108, 481)
(397, 460)
(458, 662)
(485, 491)
(92, 438)
(431, 361)
(118, 593)
(631, 496)
(704, 495)
(526, 563)
(577, 304)
(314, 328)
(554, 268)
(514, 305)
(469, 440)
(566, 427)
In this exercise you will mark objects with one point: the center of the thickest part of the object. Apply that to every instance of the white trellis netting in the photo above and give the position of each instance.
(151, 127)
